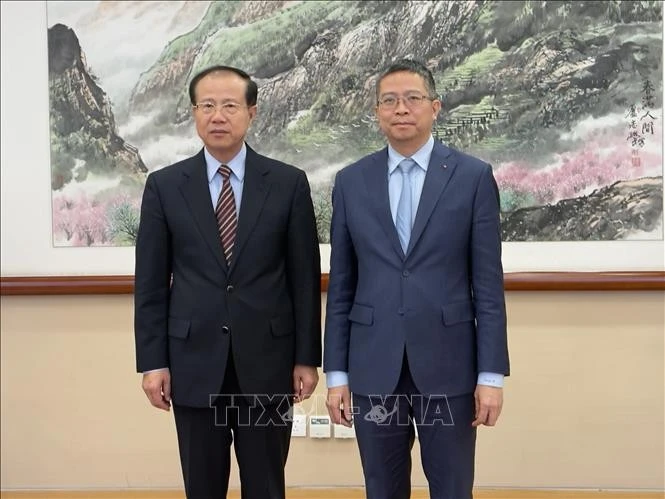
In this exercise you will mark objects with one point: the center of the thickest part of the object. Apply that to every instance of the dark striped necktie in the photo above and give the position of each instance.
(227, 220)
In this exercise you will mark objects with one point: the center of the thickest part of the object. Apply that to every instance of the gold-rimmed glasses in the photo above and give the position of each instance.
(227, 108)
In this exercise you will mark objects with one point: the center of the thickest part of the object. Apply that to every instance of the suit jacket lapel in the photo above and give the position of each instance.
(376, 179)
(442, 163)
(197, 197)
(254, 192)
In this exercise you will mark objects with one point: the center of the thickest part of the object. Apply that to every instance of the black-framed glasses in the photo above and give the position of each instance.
(227, 108)
(410, 100)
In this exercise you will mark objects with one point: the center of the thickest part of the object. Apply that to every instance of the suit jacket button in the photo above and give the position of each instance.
(229, 289)
(226, 329)
(405, 273)
(400, 311)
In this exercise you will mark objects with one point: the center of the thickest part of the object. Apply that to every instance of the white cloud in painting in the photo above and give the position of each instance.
(167, 149)
(122, 39)
(91, 186)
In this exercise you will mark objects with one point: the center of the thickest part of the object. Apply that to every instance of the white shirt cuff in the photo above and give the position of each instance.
(337, 378)
(155, 370)
(490, 379)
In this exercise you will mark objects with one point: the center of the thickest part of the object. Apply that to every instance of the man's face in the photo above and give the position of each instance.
(224, 126)
(405, 112)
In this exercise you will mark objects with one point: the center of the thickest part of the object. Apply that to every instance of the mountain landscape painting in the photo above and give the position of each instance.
(563, 99)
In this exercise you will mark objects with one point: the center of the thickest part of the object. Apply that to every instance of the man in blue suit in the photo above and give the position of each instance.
(416, 321)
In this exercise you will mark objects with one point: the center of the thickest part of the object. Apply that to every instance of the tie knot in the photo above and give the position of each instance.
(406, 165)
(224, 171)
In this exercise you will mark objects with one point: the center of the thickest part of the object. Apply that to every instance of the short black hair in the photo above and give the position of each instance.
(250, 94)
(411, 66)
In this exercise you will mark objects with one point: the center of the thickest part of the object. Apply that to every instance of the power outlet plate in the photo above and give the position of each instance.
(342, 431)
(319, 427)
(299, 425)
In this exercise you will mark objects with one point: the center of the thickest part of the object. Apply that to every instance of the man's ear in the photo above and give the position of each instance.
(436, 107)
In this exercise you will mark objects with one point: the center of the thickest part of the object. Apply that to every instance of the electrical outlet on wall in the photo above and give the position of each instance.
(342, 431)
(299, 425)
(319, 427)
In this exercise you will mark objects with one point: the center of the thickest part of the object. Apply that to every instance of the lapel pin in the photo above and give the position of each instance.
(444, 166)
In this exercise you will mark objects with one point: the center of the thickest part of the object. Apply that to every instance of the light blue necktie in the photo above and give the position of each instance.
(404, 218)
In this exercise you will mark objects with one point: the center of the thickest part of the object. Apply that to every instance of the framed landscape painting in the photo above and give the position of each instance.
(563, 99)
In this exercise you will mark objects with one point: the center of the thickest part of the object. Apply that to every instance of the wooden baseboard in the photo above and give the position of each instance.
(334, 493)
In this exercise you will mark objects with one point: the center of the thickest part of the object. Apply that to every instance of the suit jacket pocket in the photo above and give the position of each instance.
(282, 325)
(362, 314)
(458, 312)
(178, 328)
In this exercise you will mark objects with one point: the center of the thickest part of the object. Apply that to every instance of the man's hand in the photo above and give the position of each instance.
(489, 400)
(305, 379)
(339, 405)
(157, 386)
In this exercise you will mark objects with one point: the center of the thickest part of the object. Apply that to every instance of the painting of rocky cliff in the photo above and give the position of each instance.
(564, 99)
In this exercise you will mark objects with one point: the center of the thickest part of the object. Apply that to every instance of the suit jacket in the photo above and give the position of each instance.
(190, 306)
(442, 302)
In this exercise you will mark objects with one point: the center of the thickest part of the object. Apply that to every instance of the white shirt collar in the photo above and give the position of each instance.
(237, 164)
(421, 156)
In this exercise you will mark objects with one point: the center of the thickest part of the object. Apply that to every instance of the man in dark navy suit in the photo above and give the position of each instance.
(415, 322)
(227, 299)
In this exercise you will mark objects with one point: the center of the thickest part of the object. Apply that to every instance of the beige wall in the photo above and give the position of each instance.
(583, 408)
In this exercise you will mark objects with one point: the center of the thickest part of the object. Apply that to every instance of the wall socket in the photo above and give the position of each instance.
(342, 431)
(319, 427)
(299, 425)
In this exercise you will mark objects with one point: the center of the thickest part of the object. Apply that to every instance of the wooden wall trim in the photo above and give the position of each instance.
(514, 281)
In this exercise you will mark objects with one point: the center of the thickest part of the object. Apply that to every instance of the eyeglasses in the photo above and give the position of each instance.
(227, 108)
(410, 100)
